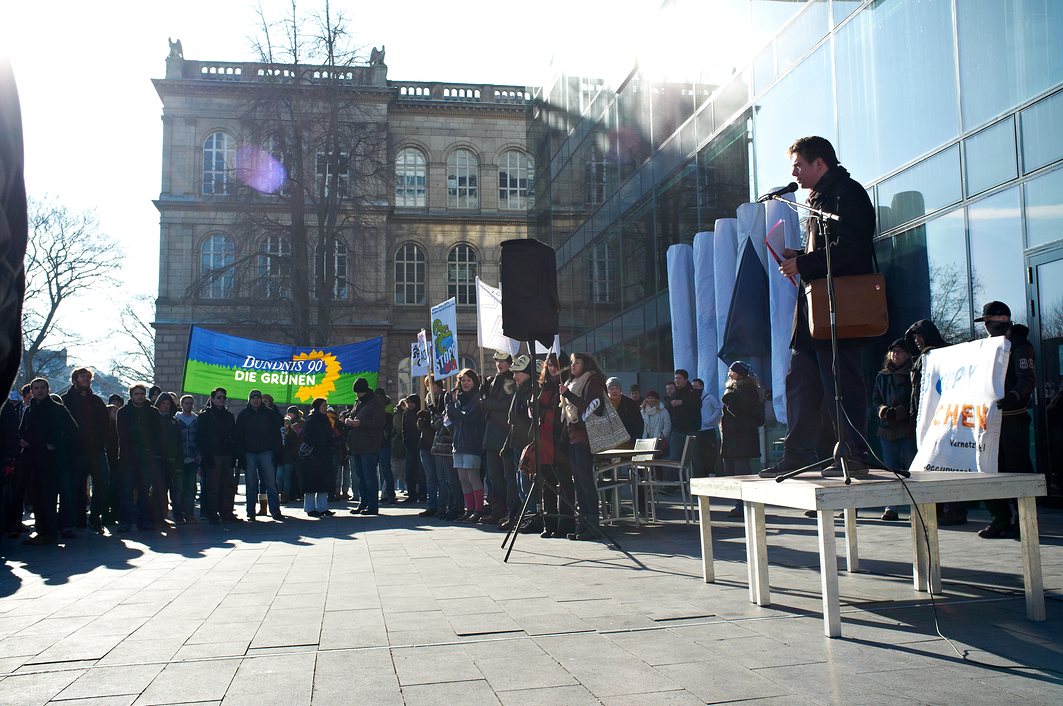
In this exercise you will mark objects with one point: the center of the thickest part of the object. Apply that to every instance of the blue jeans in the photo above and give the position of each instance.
(343, 478)
(898, 454)
(435, 488)
(284, 477)
(365, 466)
(387, 478)
(183, 491)
(586, 487)
(259, 468)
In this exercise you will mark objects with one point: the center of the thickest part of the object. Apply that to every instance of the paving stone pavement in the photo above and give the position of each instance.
(398, 609)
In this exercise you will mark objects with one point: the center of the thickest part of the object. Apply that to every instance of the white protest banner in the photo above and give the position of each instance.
(419, 356)
(445, 339)
(489, 320)
(958, 424)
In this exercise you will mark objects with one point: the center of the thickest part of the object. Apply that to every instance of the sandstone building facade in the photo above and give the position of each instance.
(456, 180)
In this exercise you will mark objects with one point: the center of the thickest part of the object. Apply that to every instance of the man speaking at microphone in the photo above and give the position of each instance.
(809, 380)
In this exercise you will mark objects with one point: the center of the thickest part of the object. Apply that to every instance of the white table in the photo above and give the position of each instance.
(881, 488)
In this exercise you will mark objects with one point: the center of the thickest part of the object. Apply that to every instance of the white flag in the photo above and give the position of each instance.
(489, 320)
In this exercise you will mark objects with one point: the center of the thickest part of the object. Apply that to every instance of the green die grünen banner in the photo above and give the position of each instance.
(292, 374)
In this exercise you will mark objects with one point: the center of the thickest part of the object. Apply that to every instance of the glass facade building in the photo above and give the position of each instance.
(950, 112)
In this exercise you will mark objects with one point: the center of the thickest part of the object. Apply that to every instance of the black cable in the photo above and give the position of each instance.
(965, 654)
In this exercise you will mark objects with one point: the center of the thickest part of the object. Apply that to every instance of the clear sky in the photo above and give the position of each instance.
(92, 118)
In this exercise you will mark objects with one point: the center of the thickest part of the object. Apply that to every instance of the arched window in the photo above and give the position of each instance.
(461, 273)
(463, 178)
(603, 273)
(410, 275)
(216, 267)
(274, 266)
(515, 180)
(411, 178)
(217, 158)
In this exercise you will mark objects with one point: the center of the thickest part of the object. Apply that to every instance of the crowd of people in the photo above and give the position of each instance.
(153, 461)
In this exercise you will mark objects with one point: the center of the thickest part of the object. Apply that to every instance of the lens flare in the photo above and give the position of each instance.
(259, 170)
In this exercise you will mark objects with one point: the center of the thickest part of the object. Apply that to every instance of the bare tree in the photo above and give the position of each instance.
(134, 342)
(312, 177)
(67, 255)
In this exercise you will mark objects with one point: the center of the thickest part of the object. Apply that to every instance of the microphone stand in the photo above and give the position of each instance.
(842, 452)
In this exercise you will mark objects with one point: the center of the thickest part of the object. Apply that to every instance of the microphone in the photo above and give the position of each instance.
(788, 189)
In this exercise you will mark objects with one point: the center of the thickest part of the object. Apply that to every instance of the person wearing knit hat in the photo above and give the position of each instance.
(258, 441)
(740, 367)
(891, 400)
(365, 434)
(626, 408)
(743, 415)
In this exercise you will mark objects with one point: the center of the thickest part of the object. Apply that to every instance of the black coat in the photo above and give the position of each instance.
(170, 446)
(138, 433)
(519, 418)
(10, 417)
(1020, 379)
(851, 254)
(258, 430)
(216, 432)
(369, 435)
(686, 417)
(631, 415)
(497, 398)
(893, 392)
(90, 413)
(466, 415)
(318, 473)
(738, 424)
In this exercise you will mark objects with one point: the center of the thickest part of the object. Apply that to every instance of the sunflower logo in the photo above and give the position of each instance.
(325, 385)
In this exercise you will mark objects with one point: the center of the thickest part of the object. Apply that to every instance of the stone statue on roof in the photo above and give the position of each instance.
(376, 56)
(176, 51)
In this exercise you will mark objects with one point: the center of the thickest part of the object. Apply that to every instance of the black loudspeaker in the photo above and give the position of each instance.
(528, 279)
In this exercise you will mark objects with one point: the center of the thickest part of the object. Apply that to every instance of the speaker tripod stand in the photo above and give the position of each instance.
(536, 491)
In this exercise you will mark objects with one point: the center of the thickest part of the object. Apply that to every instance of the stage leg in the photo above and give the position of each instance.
(708, 570)
(920, 557)
(852, 550)
(828, 572)
(757, 554)
(1031, 559)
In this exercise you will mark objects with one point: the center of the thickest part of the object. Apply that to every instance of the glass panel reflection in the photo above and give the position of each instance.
(1044, 209)
(927, 277)
(806, 30)
(1009, 52)
(1050, 309)
(921, 189)
(998, 270)
(896, 85)
(1042, 139)
(991, 157)
(777, 124)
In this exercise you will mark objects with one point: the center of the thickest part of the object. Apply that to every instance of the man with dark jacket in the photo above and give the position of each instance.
(519, 422)
(140, 453)
(810, 381)
(216, 437)
(497, 392)
(46, 435)
(90, 454)
(12, 477)
(1019, 382)
(685, 409)
(365, 432)
(258, 439)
